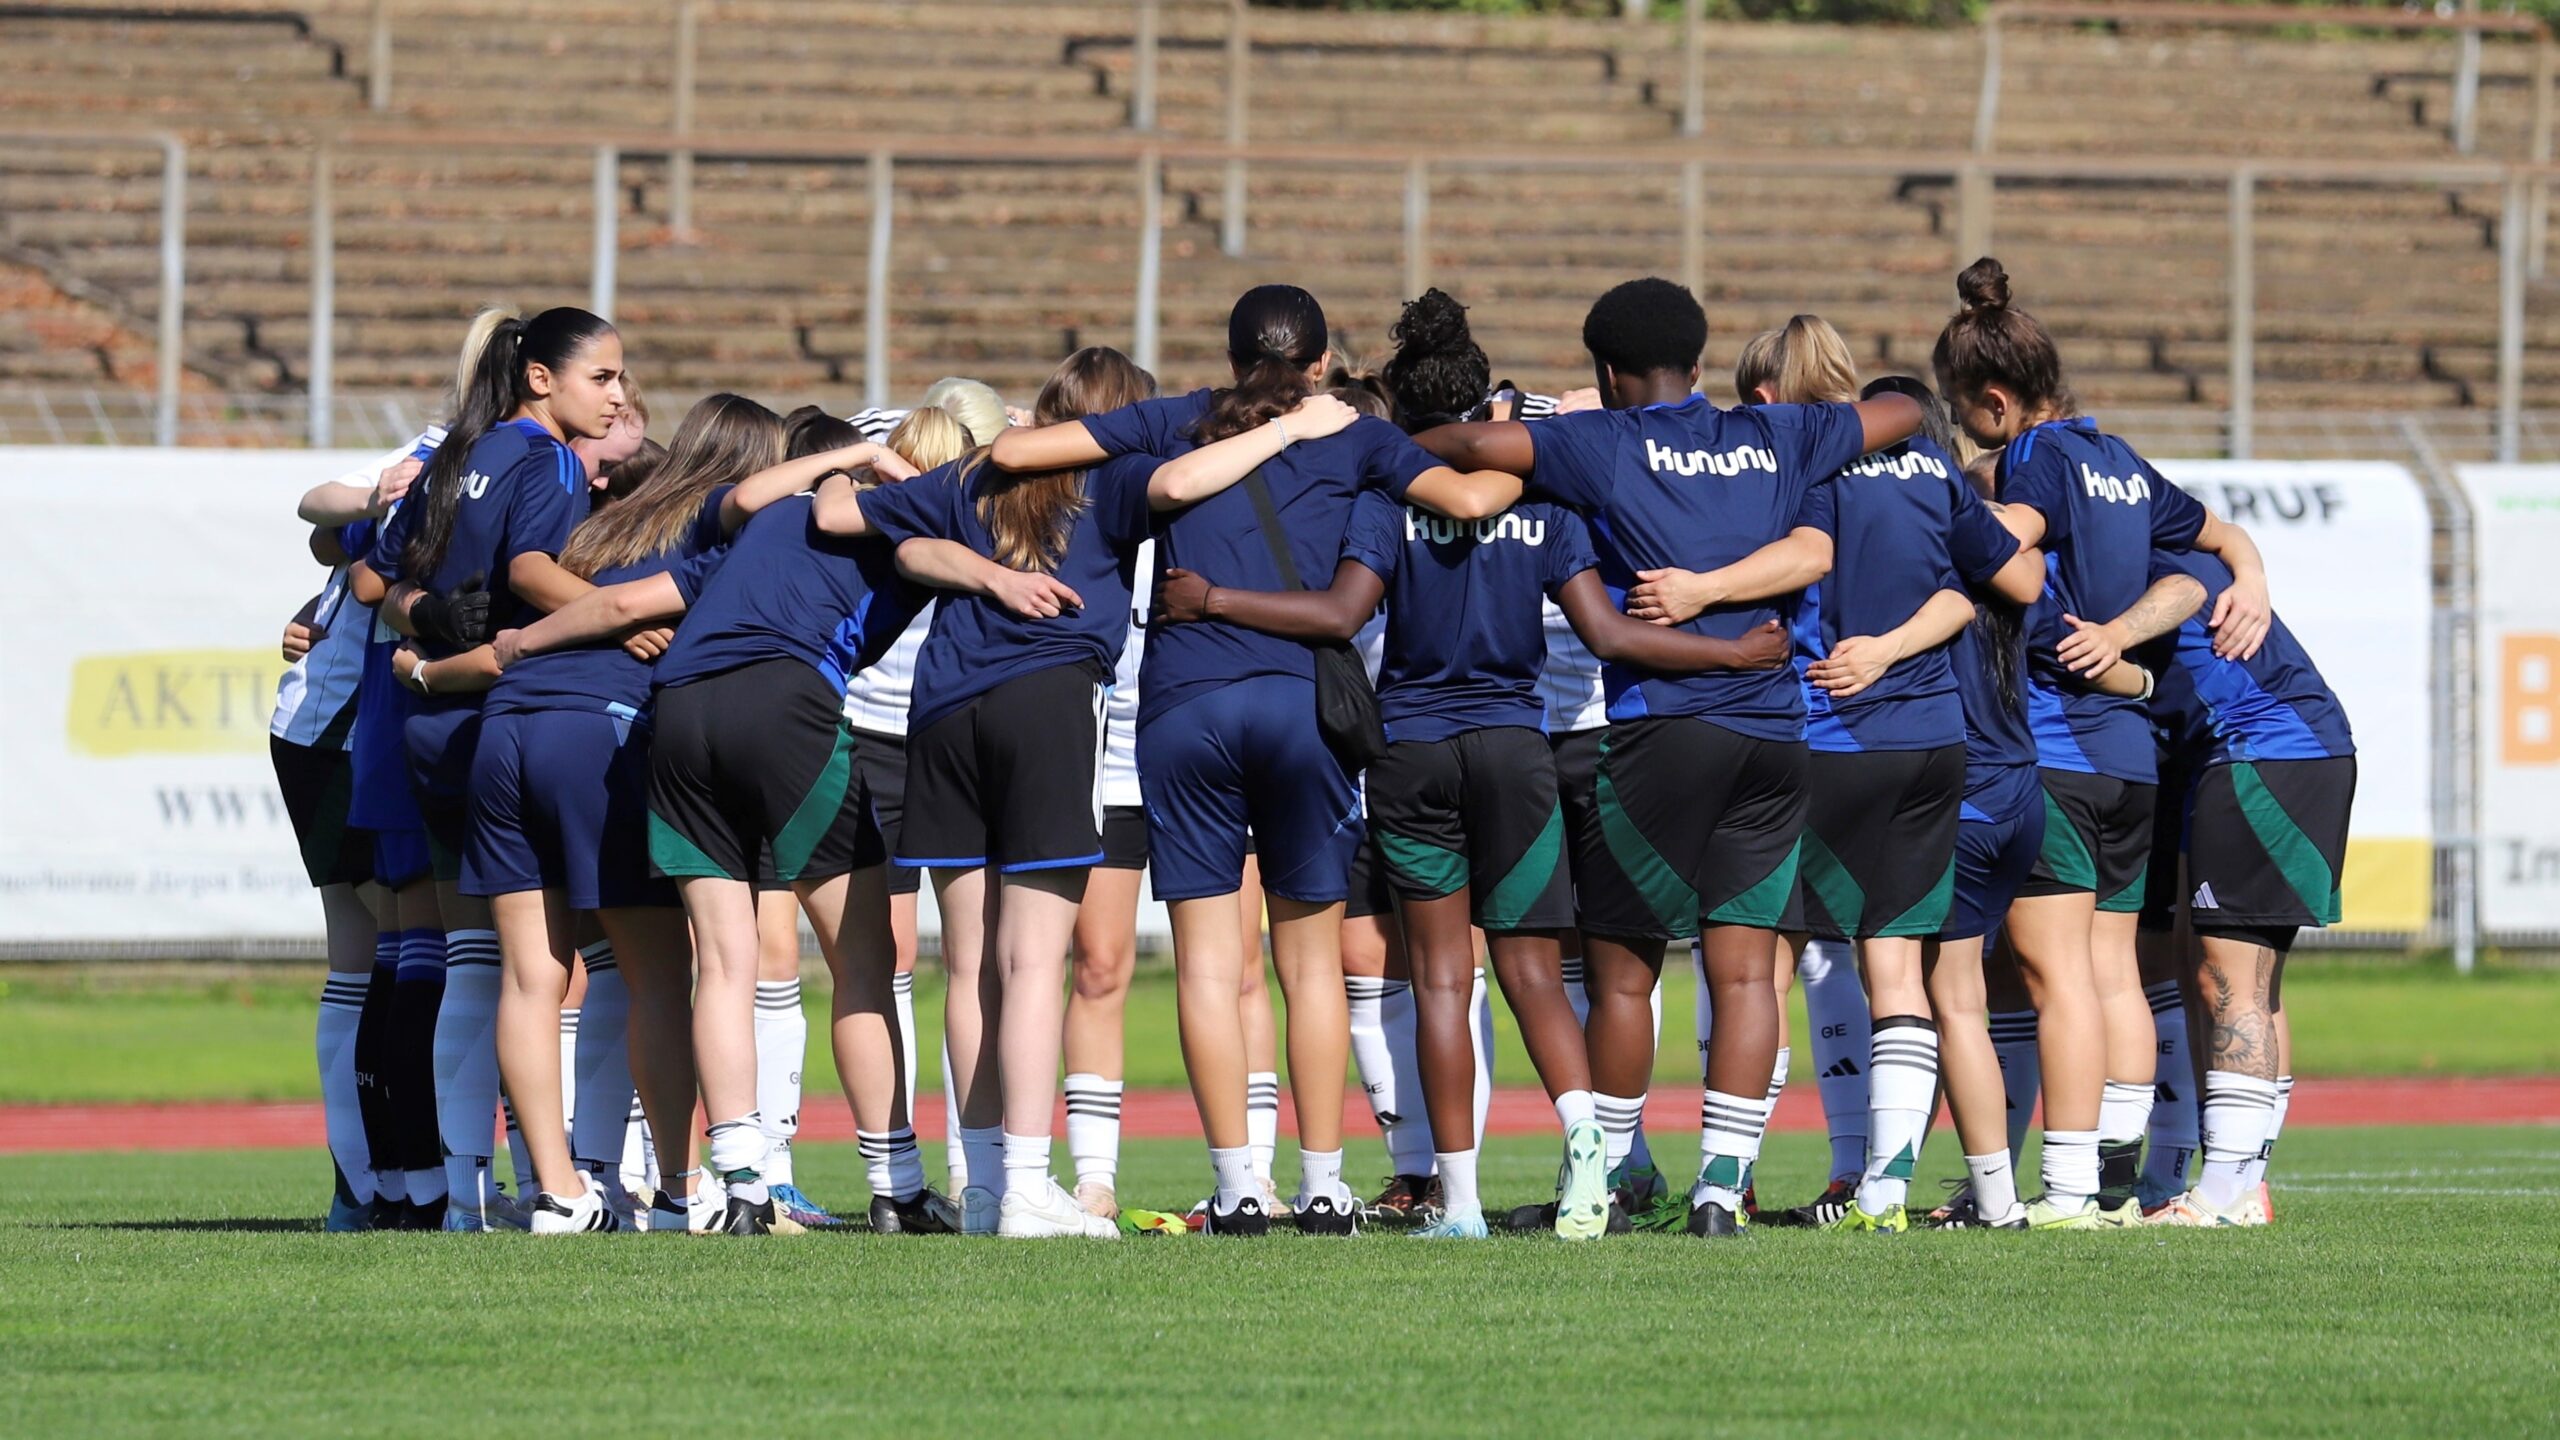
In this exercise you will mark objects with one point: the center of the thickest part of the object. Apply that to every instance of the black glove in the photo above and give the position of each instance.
(458, 619)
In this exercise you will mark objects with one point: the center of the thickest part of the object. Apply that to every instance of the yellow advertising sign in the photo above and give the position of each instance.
(172, 702)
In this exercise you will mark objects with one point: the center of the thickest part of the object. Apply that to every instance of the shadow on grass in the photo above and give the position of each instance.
(242, 1225)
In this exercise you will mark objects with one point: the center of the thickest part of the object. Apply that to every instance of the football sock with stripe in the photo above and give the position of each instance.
(2239, 1113)
(1093, 1128)
(902, 990)
(467, 1061)
(1618, 1115)
(1835, 1007)
(1366, 995)
(892, 1163)
(2174, 1119)
(2124, 1113)
(1903, 1089)
(333, 1043)
(1262, 1120)
(737, 1157)
(1729, 1146)
(600, 1103)
(2256, 1174)
(782, 1047)
(1576, 993)
(2013, 1039)
(1409, 1144)
(2070, 1163)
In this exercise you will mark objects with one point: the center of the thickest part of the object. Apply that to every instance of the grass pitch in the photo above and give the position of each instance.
(2407, 1287)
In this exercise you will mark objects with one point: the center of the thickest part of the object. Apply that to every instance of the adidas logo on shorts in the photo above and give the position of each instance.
(2204, 898)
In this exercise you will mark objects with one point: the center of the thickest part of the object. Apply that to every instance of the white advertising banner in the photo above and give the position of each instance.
(2347, 557)
(139, 618)
(2516, 511)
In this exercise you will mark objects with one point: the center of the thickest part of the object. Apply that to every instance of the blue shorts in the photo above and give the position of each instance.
(1246, 757)
(441, 741)
(1998, 835)
(560, 801)
(379, 750)
(400, 857)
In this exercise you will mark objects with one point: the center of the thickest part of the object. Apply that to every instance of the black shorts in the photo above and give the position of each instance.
(318, 784)
(1124, 837)
(1371, 892)
(752, 758)
(2267, 843)
(1011, 780)
(2162, 874)
(880, 758)
(1698, 825)
(1577, 757)
(1879, 842)
(2097, 839)
(1477, 812)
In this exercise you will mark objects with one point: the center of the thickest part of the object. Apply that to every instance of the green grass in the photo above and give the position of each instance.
(103, 1033)
(2407, 1288)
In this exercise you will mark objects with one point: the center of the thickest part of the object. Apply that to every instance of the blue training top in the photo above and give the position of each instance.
(381, 798)
(2105, 511)
(784, 589)
(976, 644)
(1312, 485)
(1904, 524)
(2271, 706)
(604, 676)
(1692, 487)
(1466, 638)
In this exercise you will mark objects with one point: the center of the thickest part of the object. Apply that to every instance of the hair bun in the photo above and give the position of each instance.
(1434, 323)
(1983, 286)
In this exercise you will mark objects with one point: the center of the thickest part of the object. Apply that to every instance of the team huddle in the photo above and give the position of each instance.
(2011, 763)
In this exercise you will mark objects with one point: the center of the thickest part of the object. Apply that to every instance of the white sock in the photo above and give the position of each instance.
(1026, 1164)
(1577, 992)
(1233, 1167)
(466, 1062)
(1903, 1089)
(1995, 1185)
(891, 1163)
(2173, 1128)
(1618, 1116)
(1458, 1183)
(1729, 1145)
(333, 1043)
(1262, 1120)
(1320, 1175)
(2070, 1167)
(1366, 995)
(2239, 1116)
(1835, 1009)
(2124, 1112)
(1480, 1030)
(571, 1017)
(984, 1150)
(737, 1156)
(955, 1155)
(1574, 1107)
(639, 1156)
(2284, 1105)
(1705, 1022)
(603, 1095)
(1778, 1075)
(1639, 1149)
(2013, 1039)
(782, 1047)
(1409, 1143)
(1093, 1127)
(902, 990)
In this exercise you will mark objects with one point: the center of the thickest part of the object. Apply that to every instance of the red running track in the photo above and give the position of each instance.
(1167, 1114)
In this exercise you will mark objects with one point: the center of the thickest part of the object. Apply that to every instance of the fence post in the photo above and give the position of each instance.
(2244, 316)
(1986, 106)
(1417, 226)
(875, 296)
(2454, 813)
(2511, 323)
(1693, 219)
(1142, 330)
(680, 162)
(2466, 85)
(608, 252)
(1974, 193)
(324, 295)
(1239, 54)
(173, 286)
(1693, 69)
(377, 80)
(2538, 223)
(1142, 103)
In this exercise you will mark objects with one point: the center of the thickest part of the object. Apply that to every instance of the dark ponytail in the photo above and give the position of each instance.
(1934, 424)
(1439, 373)
(1273, 335)
(495, 388)
(1999, 622)
(1989, 343)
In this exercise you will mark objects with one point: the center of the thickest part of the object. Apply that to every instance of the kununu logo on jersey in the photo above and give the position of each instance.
(1900, 467)
(475, 484)
(2115, 490)
(1663, 460)
(1441, 530)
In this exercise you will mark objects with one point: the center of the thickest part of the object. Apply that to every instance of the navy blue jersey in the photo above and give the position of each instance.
(1996, 733)
(1312, 485)
(2271, 706)
(2105, 511)
(1904, 525)
(1466, 639)
(603, 676)
(1692, 487)
(976, 644)
(783, 588)
(523, 491)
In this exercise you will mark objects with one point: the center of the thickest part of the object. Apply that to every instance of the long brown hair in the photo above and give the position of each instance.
(1803, 362)
(1989, 342)
(1030, 516)
(723, 439)
(1273, 334)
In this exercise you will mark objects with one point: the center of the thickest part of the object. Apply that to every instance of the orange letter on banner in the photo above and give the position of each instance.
(2529, 678)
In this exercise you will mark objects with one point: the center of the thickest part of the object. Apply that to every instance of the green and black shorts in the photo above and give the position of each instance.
(1879, 842)
(1477, 812)
(2266, 843)
(756, 759)
(2097, 839)
(1688, 823)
